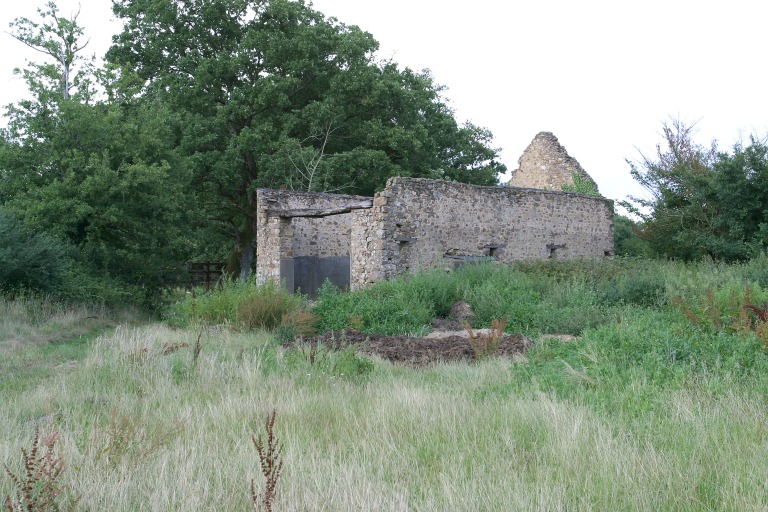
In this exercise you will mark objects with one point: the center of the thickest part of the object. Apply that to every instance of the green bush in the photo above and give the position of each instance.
(30, 260)
(35, 261)
(558, 297)
(626, 241)
(241, 304)
(390, 307)
(566, 297)
(503, 295)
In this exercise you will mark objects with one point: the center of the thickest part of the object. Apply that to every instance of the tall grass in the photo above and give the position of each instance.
(239, 304)
(646, 410)
(443, 438)
(30, 319)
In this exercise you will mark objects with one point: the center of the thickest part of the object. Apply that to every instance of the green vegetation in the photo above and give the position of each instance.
(659, 404)
(238, 304)
(40, 337)
(29, 260)
(627, 240)
(582, 185)
(703, 202)
(535, 297)
(117, 176)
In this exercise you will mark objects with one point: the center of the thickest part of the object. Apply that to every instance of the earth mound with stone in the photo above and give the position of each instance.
(448, 342)
(437, 347)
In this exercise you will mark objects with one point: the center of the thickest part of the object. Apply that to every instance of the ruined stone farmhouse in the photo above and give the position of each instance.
(304, 238)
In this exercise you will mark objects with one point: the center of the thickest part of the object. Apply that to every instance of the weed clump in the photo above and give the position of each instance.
(297, 323)
(130, 440)
(333, 360)
(271, 462)
(487, 345)
(728, 310)
(240, 304)
(40, 487)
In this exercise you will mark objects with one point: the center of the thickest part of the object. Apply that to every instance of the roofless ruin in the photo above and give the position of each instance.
(304, 238)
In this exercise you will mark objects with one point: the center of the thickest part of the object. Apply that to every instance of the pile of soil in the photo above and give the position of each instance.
(445, 346)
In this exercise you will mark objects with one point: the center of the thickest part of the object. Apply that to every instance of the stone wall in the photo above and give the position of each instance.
(545, 164)
(417, 224)
(366, 249)
(292, 225)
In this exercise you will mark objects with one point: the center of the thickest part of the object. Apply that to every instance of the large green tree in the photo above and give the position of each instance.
(740, 196)
(272, 93)
(97, 175)
(702, 202)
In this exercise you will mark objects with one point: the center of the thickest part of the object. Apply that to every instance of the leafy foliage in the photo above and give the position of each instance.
(273, 93)
(393, 307)
(162, 167)
(60, 39)
(30, 260)
(582, 185)
(703, 203)
(626, 238)
(94, 174)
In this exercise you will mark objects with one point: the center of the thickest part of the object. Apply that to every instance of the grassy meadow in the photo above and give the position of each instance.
(661, 403)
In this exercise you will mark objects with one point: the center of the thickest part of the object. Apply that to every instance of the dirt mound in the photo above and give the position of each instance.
(418, 351)
(444, 324)
(462, 312)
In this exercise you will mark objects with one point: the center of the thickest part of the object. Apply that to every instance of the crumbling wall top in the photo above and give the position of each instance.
(545, 164)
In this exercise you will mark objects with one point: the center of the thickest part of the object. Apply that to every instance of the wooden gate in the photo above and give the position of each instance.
(205, 273)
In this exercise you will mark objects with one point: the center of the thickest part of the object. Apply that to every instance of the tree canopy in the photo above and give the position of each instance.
(203, 102)
(274, 94)
(703, 202)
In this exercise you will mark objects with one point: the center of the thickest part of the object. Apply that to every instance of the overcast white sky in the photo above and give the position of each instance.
(601, 75)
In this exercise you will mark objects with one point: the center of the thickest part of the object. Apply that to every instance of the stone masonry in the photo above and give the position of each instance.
(293, 225)
(417, 224)
(414, 224)
(545, 164)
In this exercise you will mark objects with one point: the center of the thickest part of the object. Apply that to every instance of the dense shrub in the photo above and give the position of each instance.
(626, 239)
(391, 307)
(37, 262)
(501, 294)
(241, 304)
(559, 297)
(30, 260)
